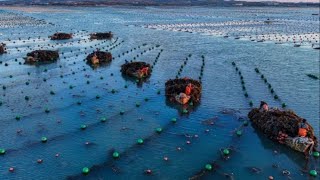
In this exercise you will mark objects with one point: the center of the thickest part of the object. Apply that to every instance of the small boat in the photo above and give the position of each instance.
(282, 126)
(297, 45)
(225, 36)
(237, 38)
(260, 40)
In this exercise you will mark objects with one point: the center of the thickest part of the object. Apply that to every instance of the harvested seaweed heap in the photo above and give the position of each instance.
(42, 56)
(176, 90)
(3, 48)
(99, 57)
(99, 35)
(136, 69)
(61, 36)
(283, 126)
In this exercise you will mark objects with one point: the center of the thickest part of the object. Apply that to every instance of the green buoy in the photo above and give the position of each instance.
(83, 127)
(316, 154)
(313, 173)
(85, 170)
(47, 110)
(245, 123)
(2, 151)
(284, 105)
(121, 112)
(174, 120)
(18, 117)
(208, 167)
(226, 152)
(44, 139)
(103, 119)
(185, 111)
(159, 130)
(239, 133)
(115, 155)
(137, 104)
(140, 141)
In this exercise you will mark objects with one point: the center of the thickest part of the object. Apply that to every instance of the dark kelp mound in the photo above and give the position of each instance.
(283, 126)
(3, 48)
(138, 70)
(99, 35)
(183, 90)
(99, 57)
(61, 36)
(41, 56)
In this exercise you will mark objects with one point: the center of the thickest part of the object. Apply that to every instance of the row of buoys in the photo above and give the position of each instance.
(275, 96)
(242, 83)
(183, 65)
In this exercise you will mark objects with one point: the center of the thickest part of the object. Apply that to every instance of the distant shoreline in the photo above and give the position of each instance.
(153, 4)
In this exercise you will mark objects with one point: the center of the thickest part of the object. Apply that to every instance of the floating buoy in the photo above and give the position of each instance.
(159, 130)
(44, 139)
(245, 123)
(83, 126)
(226, 152)
(158, 92)
(2, 151)
(165, 158)
(137, 104)
(140, 141)
(315, 154)
(185, 111)
(313, 173)
(97, 97)
(27, 98)
(284, 105)
(47, 110)
(148, 171)
(146, 99)
(103, 119)
(39, 161)
(208, 167)
(18, 117)
(11, 169)
(85, 170)
(239, 133)
(115, 155)
(251, 103)
(121, 112)
(174, 120)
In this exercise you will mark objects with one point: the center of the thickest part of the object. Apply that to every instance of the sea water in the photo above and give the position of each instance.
(189, 144)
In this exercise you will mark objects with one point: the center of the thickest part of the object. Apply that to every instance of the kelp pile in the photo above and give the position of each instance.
(136, 69)
(100, 35)
(174, 87)
(42, 56)
(2, 48)
(282, 126)
(99, 57)
(61, 36)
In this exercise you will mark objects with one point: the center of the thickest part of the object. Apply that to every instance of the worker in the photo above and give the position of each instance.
(144, 71)
(188, 89)
(303, 128)
(264, 106)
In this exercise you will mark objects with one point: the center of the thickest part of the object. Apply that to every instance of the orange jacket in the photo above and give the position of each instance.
(188, 90)
(302, 132)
